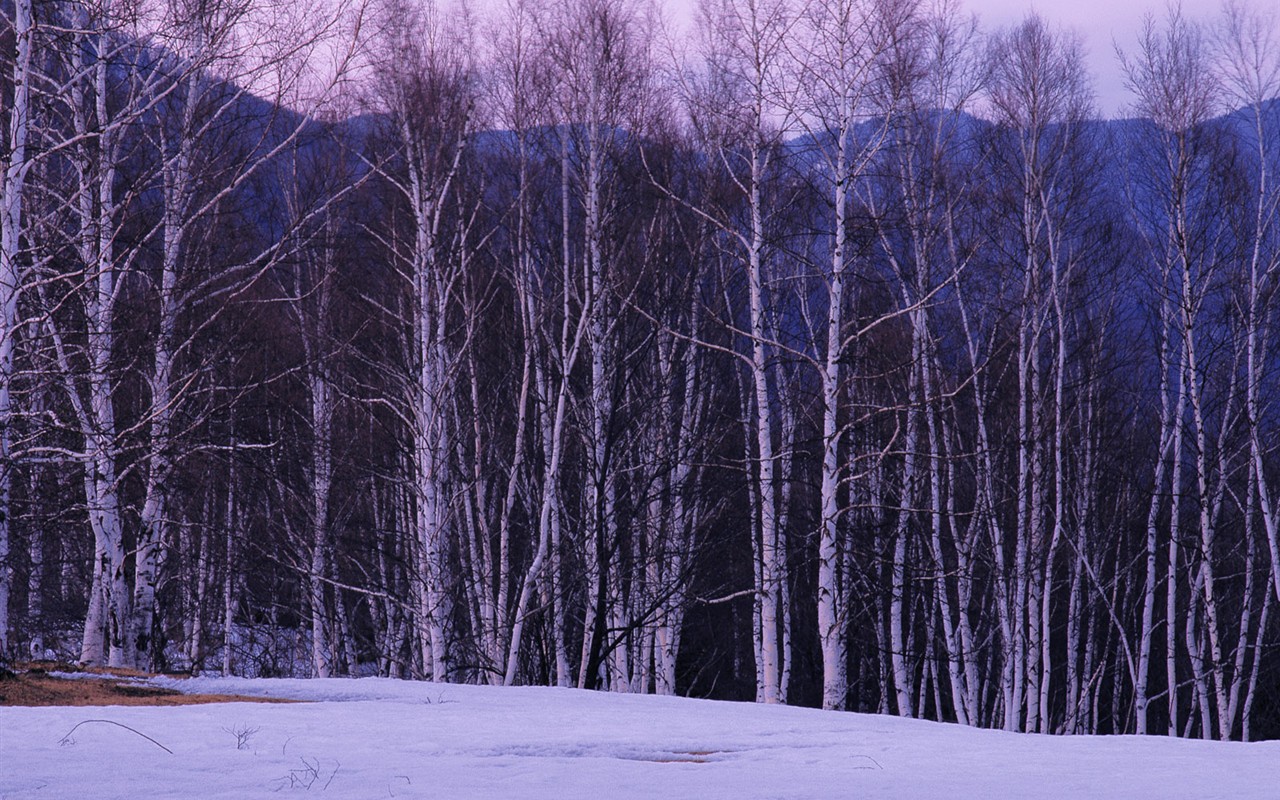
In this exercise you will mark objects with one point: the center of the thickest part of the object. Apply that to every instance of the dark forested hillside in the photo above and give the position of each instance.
(849, 361)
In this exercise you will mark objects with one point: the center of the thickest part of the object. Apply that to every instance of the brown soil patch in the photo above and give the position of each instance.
(35, 687)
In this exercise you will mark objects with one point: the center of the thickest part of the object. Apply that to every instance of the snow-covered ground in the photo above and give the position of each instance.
(376, 738)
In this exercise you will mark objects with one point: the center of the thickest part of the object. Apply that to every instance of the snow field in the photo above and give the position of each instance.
(376, 738)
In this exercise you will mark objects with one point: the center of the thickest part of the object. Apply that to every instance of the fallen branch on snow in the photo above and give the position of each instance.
(66, 740)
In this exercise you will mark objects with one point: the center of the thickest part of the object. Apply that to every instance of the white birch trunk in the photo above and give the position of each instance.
(1175, 515)
(433, 381)
(90, 391)
(321, 419)
(899, 615)
(832, 624)
(1168, 430)
(553, 421)
(954, 654)
(15, 169)
(772, 569)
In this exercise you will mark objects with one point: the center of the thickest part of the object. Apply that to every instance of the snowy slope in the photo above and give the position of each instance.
(376, 738)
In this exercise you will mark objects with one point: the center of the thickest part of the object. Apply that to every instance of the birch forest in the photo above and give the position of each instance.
(834, 353)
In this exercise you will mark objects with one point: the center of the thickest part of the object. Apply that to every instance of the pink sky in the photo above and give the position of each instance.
(1103, 24)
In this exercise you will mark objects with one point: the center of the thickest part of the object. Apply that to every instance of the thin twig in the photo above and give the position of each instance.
(67, 738)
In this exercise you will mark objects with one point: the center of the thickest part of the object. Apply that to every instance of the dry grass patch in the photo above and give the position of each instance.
(32, 685)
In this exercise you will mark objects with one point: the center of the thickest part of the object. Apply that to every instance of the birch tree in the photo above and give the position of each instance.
(1243, 48)
(426, 87)
(15, 164)
(931, 78)
(841, 69)
(738, 117)
(1040, 96)
(1176, 90)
